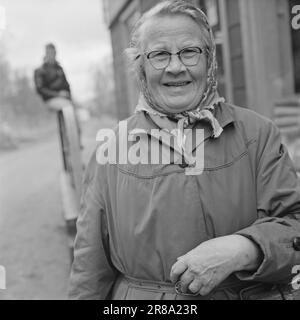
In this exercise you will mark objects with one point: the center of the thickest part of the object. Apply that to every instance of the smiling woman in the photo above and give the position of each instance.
(156, 231)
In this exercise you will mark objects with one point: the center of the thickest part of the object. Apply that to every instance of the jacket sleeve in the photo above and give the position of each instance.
(278, 208)
(66, 83)
(46, 93)
(92, 274)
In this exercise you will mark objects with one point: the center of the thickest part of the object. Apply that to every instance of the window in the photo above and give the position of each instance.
(212, 10)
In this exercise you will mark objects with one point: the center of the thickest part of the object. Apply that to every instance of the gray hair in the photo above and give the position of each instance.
(167, 7)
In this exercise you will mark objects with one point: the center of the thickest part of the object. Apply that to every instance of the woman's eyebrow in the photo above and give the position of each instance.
(191, 43)
(163, 46)
(158, 47)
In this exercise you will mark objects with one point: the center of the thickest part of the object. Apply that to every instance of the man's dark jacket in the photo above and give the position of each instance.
(49, 80)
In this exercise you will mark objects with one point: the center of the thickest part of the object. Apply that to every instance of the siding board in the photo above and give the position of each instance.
(236, 53)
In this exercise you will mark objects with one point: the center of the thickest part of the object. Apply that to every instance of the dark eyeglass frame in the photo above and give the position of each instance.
(198, 50)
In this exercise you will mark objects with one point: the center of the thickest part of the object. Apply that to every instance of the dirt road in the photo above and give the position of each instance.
(33, 240)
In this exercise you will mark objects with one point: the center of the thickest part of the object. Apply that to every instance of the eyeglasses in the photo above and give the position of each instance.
(189, 56)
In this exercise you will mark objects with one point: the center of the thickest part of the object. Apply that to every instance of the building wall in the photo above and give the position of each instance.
(112, 8)
(120, 72)
(236, 53)
(257, 54)
(121, 23)
(268, 52)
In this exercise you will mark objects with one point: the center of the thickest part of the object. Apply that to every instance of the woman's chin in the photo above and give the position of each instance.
(178, 108)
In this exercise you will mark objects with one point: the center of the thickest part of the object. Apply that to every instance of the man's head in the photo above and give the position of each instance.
(50, 53)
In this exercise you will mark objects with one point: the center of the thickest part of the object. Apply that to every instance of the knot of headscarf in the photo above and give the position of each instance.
(182, 121)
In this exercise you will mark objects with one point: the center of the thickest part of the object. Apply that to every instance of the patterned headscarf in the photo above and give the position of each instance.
(205, 108)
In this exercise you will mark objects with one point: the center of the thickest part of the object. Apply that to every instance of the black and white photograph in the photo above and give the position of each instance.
(150, 150)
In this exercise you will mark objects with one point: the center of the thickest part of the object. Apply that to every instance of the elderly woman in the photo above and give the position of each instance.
(178, 230)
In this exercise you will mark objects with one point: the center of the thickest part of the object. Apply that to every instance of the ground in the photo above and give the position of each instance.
(33, 240)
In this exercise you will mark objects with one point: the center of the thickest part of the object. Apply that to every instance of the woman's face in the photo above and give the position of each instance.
(176, 88)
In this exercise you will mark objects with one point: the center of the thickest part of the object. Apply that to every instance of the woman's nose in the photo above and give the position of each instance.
(175, 65)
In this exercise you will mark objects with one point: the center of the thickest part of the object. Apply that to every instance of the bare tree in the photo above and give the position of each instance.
(20, 107)
(103, 101)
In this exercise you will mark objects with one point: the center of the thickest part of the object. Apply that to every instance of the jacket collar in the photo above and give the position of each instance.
(224, 114)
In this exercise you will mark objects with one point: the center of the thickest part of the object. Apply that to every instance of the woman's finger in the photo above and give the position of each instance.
(205, 290)
(185, 280)
(177, 269)
(195, 286)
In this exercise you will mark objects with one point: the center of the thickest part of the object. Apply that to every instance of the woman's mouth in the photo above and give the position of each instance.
(177, 84)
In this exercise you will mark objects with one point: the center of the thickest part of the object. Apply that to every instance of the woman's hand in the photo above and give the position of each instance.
(206, 266)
